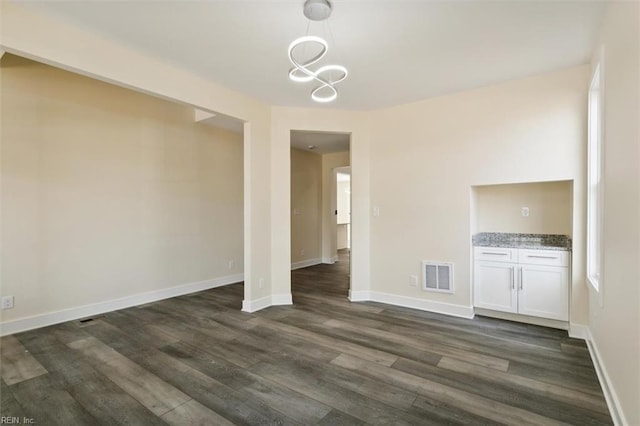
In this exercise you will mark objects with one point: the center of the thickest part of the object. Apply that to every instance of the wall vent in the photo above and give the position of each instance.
(437, 276)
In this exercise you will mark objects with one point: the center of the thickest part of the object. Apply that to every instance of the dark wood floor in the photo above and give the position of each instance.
(198, 360)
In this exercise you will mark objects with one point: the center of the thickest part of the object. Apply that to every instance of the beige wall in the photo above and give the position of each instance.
(426, 156)
(615, 325)
(306, 202)
(356, 123)
(498, 208)
(107, 193)
(48, 40)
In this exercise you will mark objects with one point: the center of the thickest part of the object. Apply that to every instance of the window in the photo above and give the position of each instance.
(594, 180)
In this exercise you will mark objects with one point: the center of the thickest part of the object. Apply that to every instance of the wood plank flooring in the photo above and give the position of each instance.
(198, 360)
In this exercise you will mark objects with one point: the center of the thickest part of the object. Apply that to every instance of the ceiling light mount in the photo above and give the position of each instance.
(317, 10)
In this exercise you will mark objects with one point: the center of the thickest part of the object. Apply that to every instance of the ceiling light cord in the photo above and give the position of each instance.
(333, 41)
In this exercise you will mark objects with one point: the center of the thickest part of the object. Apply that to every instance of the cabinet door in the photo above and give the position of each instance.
(495, 286)
(544, 292)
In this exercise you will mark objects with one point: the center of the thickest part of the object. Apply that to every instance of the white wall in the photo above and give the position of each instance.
(330, 203)
(499, 207)
(615, 325)
(343, 204)
(343, 216)
(342, 242)
(426, 156)
(306, 207)
(108, 193)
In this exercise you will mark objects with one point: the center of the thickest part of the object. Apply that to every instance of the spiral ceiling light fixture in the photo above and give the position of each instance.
(328, 75)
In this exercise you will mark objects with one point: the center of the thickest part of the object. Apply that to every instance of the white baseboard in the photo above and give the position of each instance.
(330, 260)
(281, 299)
(265, 302)
(359, 296)
(51, 318)
(615, 409)
(256, 305)
(305, 263)
(412, 302)
(578, 331)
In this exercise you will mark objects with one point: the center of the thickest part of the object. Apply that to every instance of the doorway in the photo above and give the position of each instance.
(316, 158)
(343, 215)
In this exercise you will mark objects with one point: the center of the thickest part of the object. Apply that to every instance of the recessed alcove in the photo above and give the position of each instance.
(527, 208)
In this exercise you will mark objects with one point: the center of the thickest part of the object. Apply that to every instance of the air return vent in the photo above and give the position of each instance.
(437, 276)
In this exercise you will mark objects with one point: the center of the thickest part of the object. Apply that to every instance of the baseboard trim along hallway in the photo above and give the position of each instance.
(265, 302)
(412, 302)
(305, 263)
(51, 318)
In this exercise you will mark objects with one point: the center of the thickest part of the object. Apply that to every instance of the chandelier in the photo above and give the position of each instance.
(328, 75)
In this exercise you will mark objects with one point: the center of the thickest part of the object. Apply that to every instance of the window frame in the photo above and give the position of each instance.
(595, 176)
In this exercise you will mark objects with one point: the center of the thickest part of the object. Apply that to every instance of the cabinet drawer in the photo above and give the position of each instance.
(543, 257)
(495, 254)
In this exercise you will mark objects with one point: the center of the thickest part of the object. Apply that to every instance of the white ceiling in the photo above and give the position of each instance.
(323, 142)
(396, 51)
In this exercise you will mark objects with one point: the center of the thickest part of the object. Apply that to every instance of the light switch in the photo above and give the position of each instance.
(525, 211)
(376, 211)
(413, 280)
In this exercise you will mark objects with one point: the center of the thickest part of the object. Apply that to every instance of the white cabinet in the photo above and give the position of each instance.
(528, 282)
(544, 291)
(496, 254)
(495, 286)
(543, 257)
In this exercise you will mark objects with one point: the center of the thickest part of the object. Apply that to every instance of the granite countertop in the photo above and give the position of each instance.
(523, 241)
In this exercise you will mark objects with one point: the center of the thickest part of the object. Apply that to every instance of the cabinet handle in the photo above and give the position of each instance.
(541, 257)
(495, 254)
(513, 278)
(521, 279)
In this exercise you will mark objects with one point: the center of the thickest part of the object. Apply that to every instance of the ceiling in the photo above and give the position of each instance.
(397, 51)
(322, 142)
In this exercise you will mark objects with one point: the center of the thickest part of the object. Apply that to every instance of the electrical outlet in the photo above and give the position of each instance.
(261, 283)
(376, 211)
(525, 211)
(7, 302)
(413, 280)
(231, 264)
(302, 252)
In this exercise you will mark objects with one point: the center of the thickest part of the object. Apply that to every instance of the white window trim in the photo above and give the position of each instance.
(596, 281)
